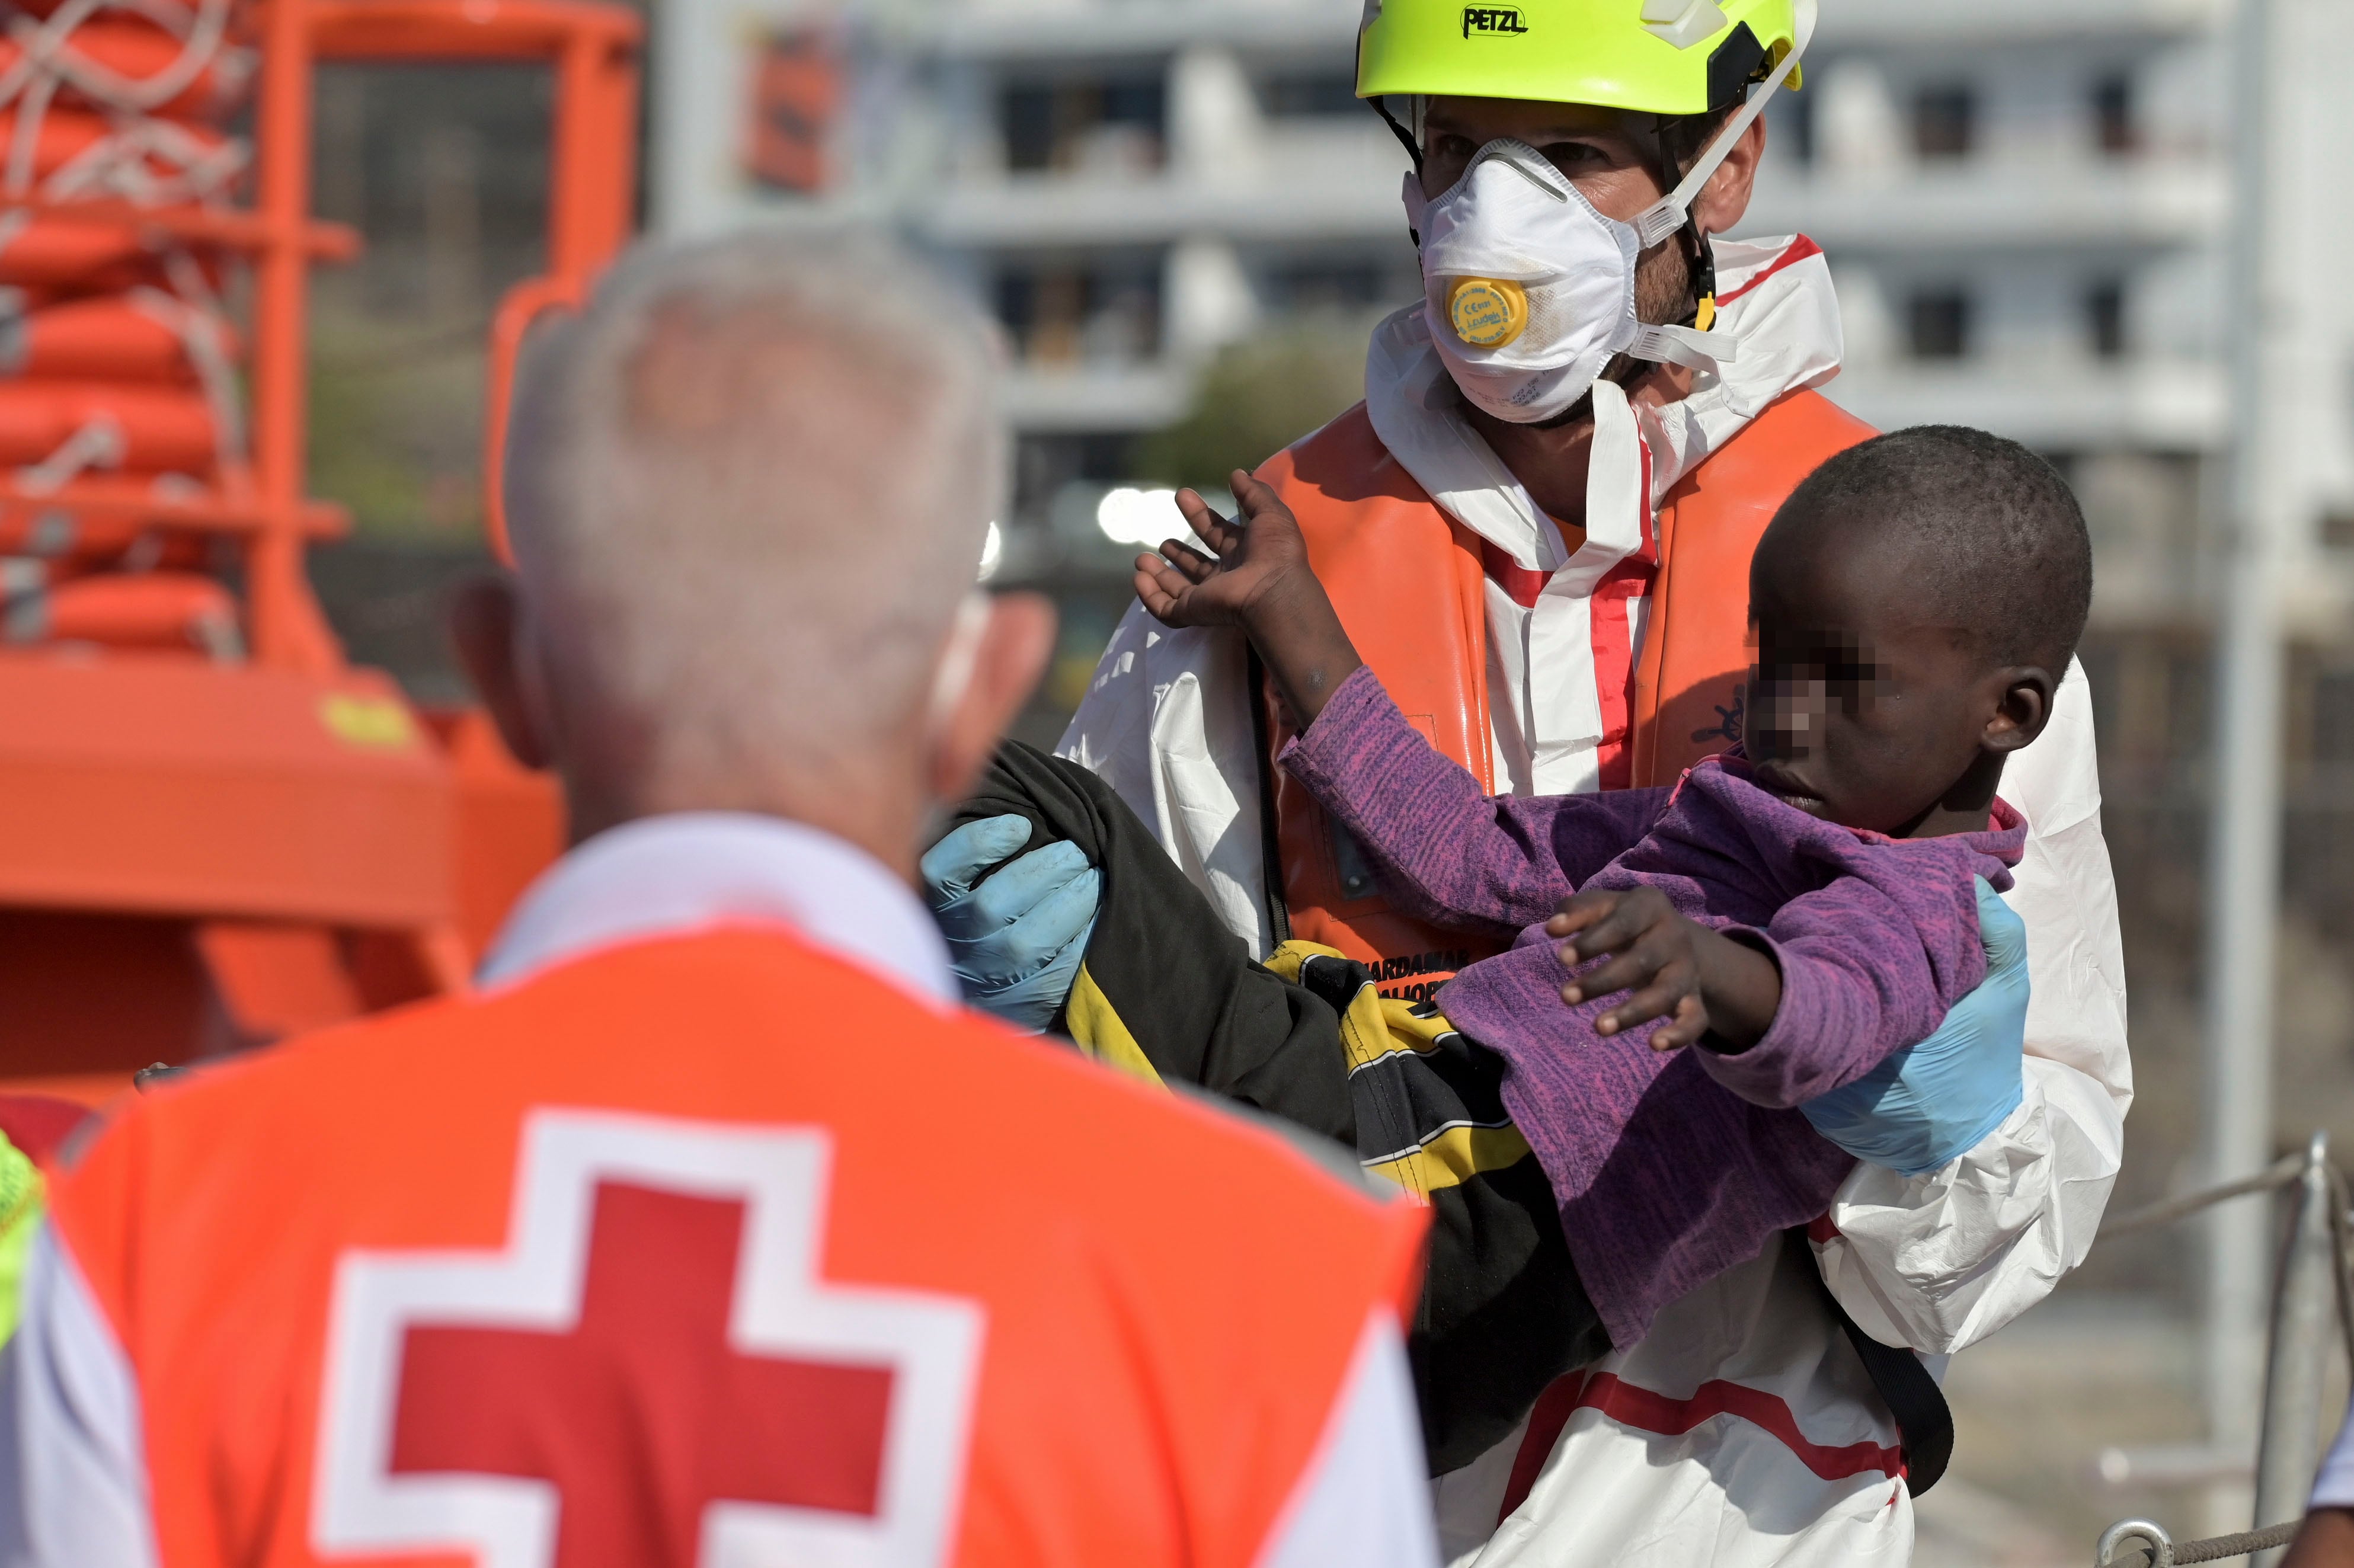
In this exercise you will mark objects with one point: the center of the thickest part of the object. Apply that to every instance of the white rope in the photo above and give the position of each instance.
(199, 332)
(47, 51)
(98, 444)
(144, 158)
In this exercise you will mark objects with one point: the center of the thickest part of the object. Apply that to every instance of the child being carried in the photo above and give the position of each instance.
(1693, 964)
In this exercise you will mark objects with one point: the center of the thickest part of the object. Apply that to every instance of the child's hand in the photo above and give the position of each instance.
(1702, 983)
(1254, 561)
(1260, 580)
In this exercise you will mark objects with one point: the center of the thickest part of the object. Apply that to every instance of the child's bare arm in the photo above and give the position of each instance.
(1259, 581)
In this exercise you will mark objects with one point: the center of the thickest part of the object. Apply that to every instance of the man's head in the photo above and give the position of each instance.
(1622, 97)
(1916, 602)
(1622, 161)
(746, 493)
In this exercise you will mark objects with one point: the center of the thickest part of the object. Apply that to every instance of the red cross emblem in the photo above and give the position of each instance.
(650, 1375)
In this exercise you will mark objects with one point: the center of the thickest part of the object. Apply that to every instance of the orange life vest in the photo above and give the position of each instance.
(802, 1240)
(1407, 581)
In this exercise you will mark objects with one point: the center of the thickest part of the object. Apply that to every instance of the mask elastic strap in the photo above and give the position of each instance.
(1666, 215)
(1691, 347)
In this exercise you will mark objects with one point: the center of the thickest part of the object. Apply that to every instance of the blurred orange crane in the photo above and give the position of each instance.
(213, 829)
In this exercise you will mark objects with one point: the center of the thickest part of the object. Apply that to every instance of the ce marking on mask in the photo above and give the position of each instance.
(1493, 21)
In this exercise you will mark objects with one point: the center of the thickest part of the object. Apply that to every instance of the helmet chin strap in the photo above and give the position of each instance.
(1405, 135)
(1699, 260)
(1694, 344)
(1702, 262)
(1673, 210)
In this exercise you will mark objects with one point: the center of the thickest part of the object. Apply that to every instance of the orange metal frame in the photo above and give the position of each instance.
(211, 855)
(594, 51)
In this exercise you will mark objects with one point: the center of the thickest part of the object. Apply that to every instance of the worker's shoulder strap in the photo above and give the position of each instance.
(1925, 1422)
(1406, 582)
(1404, 577)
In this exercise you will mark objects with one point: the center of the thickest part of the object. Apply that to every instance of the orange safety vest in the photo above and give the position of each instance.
(711, 1219)
(1407, 581)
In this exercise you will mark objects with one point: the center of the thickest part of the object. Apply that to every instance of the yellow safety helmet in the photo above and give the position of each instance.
(1654, 57)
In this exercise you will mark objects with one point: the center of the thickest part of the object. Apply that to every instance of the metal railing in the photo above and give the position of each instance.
(2138, 1543)
(2313, 1285)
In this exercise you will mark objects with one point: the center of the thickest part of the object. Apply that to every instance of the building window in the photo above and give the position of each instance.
(1117, 126)
(2105, 317)
(1944, 122)
(1299, 95)
(2114, 131)
(1337, 285)
(1937, 323)
(1106, 315)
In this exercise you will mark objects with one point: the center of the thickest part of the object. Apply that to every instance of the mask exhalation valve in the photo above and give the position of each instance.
(1487, 313)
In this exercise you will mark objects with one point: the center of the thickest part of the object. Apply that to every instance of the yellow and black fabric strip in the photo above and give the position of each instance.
(1430, 1110)
(1094, 1025)
(1167, 993)
(1503, 1312)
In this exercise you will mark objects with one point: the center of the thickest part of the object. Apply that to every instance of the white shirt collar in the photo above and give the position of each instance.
(690, 870)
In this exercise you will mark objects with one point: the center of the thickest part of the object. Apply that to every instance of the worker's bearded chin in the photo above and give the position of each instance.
(1662, 295)
(1663, 283)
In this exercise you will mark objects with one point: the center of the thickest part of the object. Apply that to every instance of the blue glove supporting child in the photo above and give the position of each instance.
(1015, 935)
(1932, 1102)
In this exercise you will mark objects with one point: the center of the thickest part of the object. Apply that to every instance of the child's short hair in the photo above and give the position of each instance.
(1998, 535)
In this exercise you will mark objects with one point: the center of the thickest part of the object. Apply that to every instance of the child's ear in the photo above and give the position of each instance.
(2022, 708)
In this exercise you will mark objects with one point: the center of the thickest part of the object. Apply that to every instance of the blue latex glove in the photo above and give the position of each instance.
(1932, 1102)
(1016, 935)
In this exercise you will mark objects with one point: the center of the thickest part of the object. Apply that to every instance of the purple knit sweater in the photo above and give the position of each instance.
(1670, 1167)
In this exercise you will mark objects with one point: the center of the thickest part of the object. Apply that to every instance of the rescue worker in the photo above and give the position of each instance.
(1537, 530)
(711, 1230)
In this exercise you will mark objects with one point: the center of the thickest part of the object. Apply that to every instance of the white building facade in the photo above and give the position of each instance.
(2026, 203)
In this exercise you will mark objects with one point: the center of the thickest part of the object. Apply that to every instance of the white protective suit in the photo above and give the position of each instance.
(1742, 1431)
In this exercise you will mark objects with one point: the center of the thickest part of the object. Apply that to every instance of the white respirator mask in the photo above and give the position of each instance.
(1530, 291)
